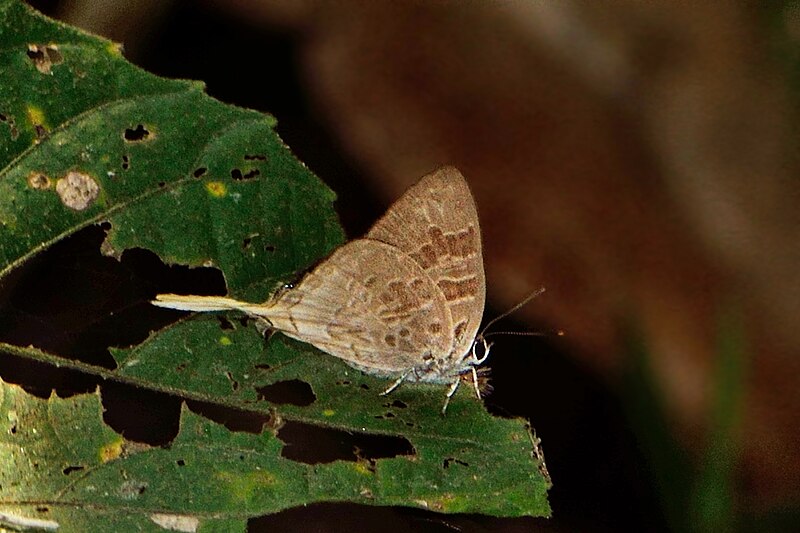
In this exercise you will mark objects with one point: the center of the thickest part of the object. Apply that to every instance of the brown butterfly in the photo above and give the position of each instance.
(405, 301)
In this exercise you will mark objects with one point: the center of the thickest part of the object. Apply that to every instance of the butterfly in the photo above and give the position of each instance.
(405, 301)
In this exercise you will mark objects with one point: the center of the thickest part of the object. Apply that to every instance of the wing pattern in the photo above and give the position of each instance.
(369, 304)
(436, 223)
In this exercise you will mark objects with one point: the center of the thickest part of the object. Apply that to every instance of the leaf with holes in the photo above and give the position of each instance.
(88, 140)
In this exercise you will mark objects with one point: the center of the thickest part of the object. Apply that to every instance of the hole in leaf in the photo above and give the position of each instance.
(180, 462)
(248, 241)
(137, 134)
(262, 366)
(452, 460)
(364, 386)
(126, 162)
(224, 323)
(44, 57)
(327, 517)
(309, 444)
(42, 509)
(40, 379)
(255, 157)
(70, 469)
(396, 403)
(74, 301)
(199, 172)
(291, 392)
(139, 414)
(233, 419)
(237, 175)
(234, 383)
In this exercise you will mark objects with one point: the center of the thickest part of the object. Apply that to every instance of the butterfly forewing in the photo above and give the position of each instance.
(369, 304)
(436, 223)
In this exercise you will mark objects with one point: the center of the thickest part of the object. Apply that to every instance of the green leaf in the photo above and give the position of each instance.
(86, 138)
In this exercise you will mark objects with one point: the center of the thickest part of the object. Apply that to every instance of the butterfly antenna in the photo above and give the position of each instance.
(524, 301)
(517, 333)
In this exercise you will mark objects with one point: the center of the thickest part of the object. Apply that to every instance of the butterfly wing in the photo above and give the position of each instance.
(369, 304)
(436, 224)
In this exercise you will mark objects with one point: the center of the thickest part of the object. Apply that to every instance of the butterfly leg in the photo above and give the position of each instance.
(475, 382)
(450, 394)
(396, 384)
(264, 328)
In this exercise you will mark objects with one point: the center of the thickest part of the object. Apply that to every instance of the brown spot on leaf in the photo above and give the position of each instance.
(38, 181)
(176, 522)
(12, 125)
(77, 190)
(44, 57)
(41, 131)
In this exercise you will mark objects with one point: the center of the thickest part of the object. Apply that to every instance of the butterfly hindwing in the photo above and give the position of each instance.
(436, 223)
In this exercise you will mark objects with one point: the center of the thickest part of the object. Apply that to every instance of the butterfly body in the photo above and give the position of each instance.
(405, 301)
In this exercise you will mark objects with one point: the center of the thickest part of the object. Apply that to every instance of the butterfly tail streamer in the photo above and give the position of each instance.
(183, 302)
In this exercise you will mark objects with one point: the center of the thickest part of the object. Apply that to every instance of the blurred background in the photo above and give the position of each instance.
(638, 160)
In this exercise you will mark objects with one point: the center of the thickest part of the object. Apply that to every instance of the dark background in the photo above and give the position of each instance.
(604, 430)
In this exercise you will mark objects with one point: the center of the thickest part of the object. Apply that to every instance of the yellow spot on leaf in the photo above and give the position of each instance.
(328, 412)
(362, 468)
(114, 49)
(111, 451)
(35, 115)
(245, 487)
(225, 340)
(216, 188)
